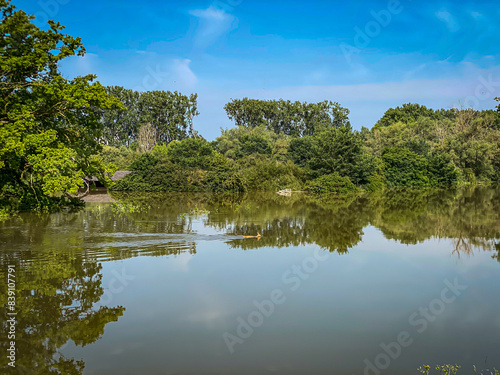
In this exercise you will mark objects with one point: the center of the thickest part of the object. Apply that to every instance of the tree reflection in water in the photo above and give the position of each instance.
(58, 257)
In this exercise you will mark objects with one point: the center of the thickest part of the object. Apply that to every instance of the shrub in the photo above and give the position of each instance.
(253, 144)
(121, 157)
(143, 163)
(442, 172)
(191, 153)
(331, 183)
(301, 151)
(263, 174)
(404, 168)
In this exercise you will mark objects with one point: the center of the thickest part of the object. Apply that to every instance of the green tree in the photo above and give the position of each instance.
(191, 153)
(188, 165)
(407, 113)
(301, 151)
(337, 150)
(171, 114)
(296, 119)
(50, 126)
(241, 141)
(404, 168)
(121, 124)
(442, 171)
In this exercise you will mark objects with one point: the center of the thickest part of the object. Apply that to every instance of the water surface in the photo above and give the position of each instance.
(167, 284)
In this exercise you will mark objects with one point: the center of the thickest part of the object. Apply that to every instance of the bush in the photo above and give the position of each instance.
(301, 151)
(121, 157)
(404, 168)
(253, 144)
(191, 153)
(144, 163)
(331, 183)
(442, 172)
(189, 165)
(263, 174)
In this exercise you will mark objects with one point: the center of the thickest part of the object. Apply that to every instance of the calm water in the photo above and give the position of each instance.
(166, 284)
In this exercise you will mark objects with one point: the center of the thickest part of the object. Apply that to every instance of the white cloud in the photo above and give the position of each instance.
(411, 73)
(448, 19)
(183, 75)
(211, 13)
(213, 23)
(180, 262)
(413, 89)
(210, 308)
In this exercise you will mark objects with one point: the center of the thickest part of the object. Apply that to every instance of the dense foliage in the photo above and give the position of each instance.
(291, 118)
(412, 146)
(50, 126)
(148, 118)
(189, 165)
(56, 133)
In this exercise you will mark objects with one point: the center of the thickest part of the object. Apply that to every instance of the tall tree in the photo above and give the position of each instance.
(121, 124)
(296, 119)
(49, 126)
(410, 112)
(170, 113)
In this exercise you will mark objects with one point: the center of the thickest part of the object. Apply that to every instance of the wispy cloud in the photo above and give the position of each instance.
(449, 20)
(476, 15)
(225, 51)
(213, 23)
(210, 13)
(183, 75)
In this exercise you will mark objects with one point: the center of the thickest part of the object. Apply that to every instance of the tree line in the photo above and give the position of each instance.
(410, 146)
(57, 132)
(148, 118)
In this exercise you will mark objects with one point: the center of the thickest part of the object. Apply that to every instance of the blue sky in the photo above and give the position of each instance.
(366, 55)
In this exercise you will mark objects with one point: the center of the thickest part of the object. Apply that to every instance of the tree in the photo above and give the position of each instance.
(164, 115)
(283, 116)
(337, 150)
(239, 142)
(146, 138)
(170, 113)
(301, 150)
(50, 126)
(404, 168)
(121, 124)
(409, 113)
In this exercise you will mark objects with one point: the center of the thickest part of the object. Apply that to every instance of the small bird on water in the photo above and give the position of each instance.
(258, 236)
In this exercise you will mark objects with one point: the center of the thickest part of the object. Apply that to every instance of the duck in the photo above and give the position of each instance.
(258, 236)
